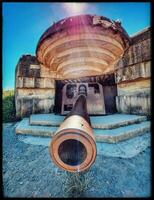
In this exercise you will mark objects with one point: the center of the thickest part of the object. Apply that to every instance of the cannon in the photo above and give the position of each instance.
(73, 146)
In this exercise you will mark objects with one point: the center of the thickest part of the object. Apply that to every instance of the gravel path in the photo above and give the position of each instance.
(29, 172)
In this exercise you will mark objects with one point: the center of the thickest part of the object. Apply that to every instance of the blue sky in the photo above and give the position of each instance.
(24, 23)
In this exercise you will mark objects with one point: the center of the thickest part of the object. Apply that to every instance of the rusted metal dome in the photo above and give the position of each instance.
(84, 45)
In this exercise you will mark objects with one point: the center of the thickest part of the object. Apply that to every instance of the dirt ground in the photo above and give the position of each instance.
(28, 171)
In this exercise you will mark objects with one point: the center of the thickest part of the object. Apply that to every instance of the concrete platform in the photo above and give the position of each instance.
(121, 133)
(109, 135)
(25, 128)
(124, 149)
(100, 122)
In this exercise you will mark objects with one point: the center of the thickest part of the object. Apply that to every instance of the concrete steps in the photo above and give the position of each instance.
(24, 127)
(122, 133)
(124, 149)
(100, 122)
(109, 129)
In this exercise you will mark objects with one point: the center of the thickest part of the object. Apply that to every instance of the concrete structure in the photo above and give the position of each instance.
(133, 74)
(35, 88)
(86, 49)
(109, 129)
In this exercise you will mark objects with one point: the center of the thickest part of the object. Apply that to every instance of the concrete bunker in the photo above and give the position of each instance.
(89, 50)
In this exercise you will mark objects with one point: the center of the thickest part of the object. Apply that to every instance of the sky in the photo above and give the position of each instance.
(24, 23)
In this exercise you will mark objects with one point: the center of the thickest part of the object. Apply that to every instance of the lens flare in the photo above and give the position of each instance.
(75, 8)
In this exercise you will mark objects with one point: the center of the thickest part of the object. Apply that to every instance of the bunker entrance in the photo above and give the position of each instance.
(101, 94)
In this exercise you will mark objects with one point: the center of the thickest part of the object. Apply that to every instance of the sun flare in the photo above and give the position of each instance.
(75, 8)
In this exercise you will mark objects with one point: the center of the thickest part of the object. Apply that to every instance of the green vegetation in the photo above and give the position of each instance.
(8, 106)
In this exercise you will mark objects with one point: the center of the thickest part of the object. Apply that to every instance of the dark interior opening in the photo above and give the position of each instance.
(58, 97)
(72, 152)
(109, 89)
(68, 107)
(70, 90)
(96, 87)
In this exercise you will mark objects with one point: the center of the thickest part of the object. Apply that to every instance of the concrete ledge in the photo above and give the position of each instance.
(99, 122)
(125, 149)
(109, 136)
(122, 133)
(115, 121)
(46, 119)
(25, 128)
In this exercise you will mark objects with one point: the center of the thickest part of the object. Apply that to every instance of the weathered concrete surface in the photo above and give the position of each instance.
(40, 92)
(24, 128)
(140, 104)
(124, 149)
(141, 87)
(102, 122)
(34, 90)
(35, 82)
(121, 133)
(115, 120)
(85, 45)
(133, 74)
(139, 51)
(46, 119)
(109, 135)
(23, 68)
(29, 104)
(28, 170)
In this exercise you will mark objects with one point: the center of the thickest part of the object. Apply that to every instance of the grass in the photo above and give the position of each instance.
(8, 106)
(76, 183)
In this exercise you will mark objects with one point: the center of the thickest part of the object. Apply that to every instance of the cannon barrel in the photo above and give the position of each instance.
(73, 146)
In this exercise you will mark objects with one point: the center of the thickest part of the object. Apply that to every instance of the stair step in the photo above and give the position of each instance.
(99, 122)
(122, 133)
(25, 128)
(46, 119)
(115, 120)
(124, 149)
(109, 136)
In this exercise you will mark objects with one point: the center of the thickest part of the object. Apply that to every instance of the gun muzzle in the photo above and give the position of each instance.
(73, 146)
